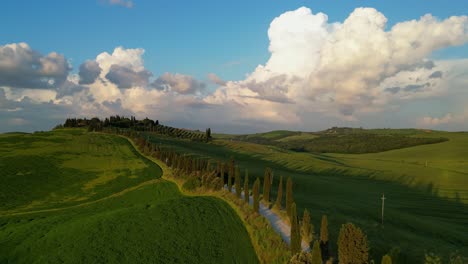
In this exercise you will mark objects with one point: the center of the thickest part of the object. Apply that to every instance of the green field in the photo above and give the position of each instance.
(75, 197)
(426, 207)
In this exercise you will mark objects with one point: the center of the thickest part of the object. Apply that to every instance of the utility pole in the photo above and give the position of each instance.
(383, 206)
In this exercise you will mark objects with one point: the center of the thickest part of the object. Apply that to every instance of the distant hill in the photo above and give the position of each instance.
(343, 139)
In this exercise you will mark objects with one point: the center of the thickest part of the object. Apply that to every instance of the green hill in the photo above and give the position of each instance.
(426, 206)
(75, 197)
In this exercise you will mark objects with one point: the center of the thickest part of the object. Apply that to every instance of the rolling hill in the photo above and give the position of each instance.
(76, 197)
(426, 206)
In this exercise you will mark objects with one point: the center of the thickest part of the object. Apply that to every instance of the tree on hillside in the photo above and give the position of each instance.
(307, 228)
(386, 259)
(289, 196)
(267, 185)
(256, 195)
(316, 254)
(208, 134)
(279, 196)
(324, 247)
(246, 186)
(295, 231)
(230, 174)
(352, 245)
(223, 165)
(237, 182)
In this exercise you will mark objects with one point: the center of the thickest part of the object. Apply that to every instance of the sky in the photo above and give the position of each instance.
(236, 66)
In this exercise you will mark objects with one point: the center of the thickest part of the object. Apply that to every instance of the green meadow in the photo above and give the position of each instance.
(426, 187)
(68, 196)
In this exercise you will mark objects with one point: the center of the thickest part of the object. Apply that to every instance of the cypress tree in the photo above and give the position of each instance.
(316, 254)
(222, 173)
(246, 186)
(289, 196)
(295, 231)
(279, 196)
(230, 174)
(256, 195)
(386, 259)
(324, 238)
(307, 229)
(237, 182)
(266, 185)
(352, 245)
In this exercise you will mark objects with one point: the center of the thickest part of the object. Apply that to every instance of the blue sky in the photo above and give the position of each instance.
(170, 47)
(191, 37)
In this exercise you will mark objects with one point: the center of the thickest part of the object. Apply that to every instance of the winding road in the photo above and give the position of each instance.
(277, 223)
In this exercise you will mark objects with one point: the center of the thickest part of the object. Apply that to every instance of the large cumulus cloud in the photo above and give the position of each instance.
(349, 68)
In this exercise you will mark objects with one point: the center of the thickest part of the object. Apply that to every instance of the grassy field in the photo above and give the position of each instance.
(91, 198)
(426, 207)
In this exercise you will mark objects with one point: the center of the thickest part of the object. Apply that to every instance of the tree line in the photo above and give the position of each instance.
(120, 123)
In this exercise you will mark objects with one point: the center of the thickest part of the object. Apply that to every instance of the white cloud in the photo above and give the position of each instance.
(180, 83)
(124, 3)
(345, 69)
(216, 79)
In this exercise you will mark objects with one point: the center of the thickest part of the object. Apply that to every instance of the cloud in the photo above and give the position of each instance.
(125, 77)
(436, 75)
(22, 67)
(215, 79)
(351, 68)
(124, 3)
(183, 84)
(89, 71)
(431, 121)
(357, 72)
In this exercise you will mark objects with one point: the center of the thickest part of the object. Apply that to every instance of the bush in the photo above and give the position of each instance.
(192, 184)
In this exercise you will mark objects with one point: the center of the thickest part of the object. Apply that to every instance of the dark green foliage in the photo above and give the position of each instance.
(237, 182)
(301, 258)
(246, 187)
(386, 260)
(289, 196)
(324, 245)
(231, 173)
(307, 228)
(431, 258)
(295, 231)
(352, 245)
(279, 194)
(192, 184)
(256, 195)
(316, 254)
(118, 124)
(267, 178)
(208, 134)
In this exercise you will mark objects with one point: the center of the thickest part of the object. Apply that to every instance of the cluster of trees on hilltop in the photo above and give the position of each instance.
(117, 123)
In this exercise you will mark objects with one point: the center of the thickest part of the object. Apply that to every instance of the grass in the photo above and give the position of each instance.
(426, 207)
(133, 217)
